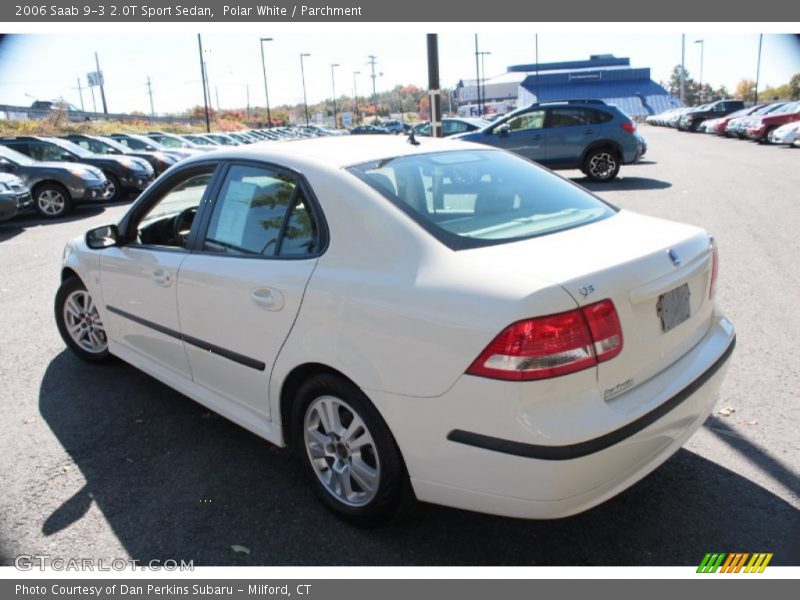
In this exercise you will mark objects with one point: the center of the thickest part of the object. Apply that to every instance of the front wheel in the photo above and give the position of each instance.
(52, 200)
(348, 452)
(601, 165)
(79, 323)
(114, 188)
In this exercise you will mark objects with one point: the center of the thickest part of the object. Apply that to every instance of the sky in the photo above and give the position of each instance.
(48, 66)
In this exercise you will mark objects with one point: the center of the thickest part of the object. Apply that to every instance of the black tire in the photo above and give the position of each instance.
(69, 288)
(696, 126)
(601, 165)
(51, 200)
(117, 195)
(393, 496)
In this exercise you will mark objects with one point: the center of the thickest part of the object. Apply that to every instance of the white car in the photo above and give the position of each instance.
(786, 134)
(421, 319)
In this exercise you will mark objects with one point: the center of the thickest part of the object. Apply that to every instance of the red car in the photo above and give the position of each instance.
(760, 128)
(719, 126)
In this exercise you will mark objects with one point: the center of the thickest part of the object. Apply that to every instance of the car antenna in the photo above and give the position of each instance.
(412, 139)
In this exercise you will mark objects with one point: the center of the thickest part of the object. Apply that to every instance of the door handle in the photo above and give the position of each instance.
(162, 277)
(267, 298)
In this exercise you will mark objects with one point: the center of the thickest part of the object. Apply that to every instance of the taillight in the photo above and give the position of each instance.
(712, 289)
(553, 345)
(605, 329)
(629, 126)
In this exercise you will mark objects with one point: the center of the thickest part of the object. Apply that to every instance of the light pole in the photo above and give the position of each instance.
(483, 79)
(264, 70)
(333, 86)
(702, 48)
(758, 67)
(355, 94)
(303, 77)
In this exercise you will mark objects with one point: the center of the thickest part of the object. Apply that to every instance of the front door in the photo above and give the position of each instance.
(139, 277)
(523, 135)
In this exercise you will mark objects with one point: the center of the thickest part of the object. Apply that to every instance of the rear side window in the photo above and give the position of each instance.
(261, 212)
(473, 198)
(570, 117)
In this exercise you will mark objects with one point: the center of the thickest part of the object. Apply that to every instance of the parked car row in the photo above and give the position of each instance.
(58, 173)
(775, 122)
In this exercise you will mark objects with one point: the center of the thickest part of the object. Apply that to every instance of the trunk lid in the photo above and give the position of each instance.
(628, 258)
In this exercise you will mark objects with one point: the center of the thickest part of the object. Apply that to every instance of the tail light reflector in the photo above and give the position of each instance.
(551, 346)
(629, 126)
(712, 289)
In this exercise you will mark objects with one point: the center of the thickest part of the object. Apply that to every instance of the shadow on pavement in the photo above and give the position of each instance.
(9, 230)
(175, 481)
(623, 184)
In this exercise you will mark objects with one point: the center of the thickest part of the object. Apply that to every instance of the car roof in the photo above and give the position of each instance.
(341, 151)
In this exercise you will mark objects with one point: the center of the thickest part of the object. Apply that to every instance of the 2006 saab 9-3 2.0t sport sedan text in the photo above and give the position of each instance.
(418, 319)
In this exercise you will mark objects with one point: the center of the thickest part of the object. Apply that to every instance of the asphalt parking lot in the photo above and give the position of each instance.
(103, 461)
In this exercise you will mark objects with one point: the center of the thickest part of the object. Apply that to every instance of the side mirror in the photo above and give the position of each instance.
(7, 167)
(68, 157)
(102, 237)
(503, 130)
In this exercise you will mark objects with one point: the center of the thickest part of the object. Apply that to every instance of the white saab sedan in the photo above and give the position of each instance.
(433, 320)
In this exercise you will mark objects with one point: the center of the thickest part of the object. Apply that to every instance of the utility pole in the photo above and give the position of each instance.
(683, 69)
(433, 85)
(216, 94)
(247, 110)
(150, 93)
(203, 74)
(537, 67)
(355, 95)
(102, 84)
(758, 66)
(303, 77)
(483, 74)
(478, 76)
(372, 58)
(264, 70)
(80, 93)
(333, 86)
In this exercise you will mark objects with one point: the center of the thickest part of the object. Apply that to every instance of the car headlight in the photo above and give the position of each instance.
(128, 164)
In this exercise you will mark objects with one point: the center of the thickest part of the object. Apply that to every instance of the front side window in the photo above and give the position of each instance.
(530, 120)
(169, 221)
(43, 152)
(473, 198)
(261, 212)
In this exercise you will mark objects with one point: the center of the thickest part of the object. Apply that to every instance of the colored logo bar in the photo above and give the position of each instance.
(734, 562)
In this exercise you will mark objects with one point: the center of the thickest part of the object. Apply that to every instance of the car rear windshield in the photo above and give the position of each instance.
(473, 198)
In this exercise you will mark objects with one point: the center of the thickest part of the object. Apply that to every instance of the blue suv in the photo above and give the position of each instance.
(589, 135)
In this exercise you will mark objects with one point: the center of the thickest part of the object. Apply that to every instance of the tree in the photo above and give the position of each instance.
(745, 90)
(691, 87)
(794, 86)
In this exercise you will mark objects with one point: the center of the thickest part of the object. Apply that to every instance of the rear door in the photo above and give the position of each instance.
(240, 291)
(569, 131)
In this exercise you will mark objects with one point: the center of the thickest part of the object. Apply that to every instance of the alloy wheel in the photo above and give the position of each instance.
(602, 165)
(51, 202)
(342, 451)
(83, 322)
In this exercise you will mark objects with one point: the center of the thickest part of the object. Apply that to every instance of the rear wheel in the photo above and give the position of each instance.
(52, 200)
(348, 452)
(601, 165)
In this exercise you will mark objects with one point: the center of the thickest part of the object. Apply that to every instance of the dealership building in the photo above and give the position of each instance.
(603, 76)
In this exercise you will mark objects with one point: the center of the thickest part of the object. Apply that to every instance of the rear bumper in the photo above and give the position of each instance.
(488, 446)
